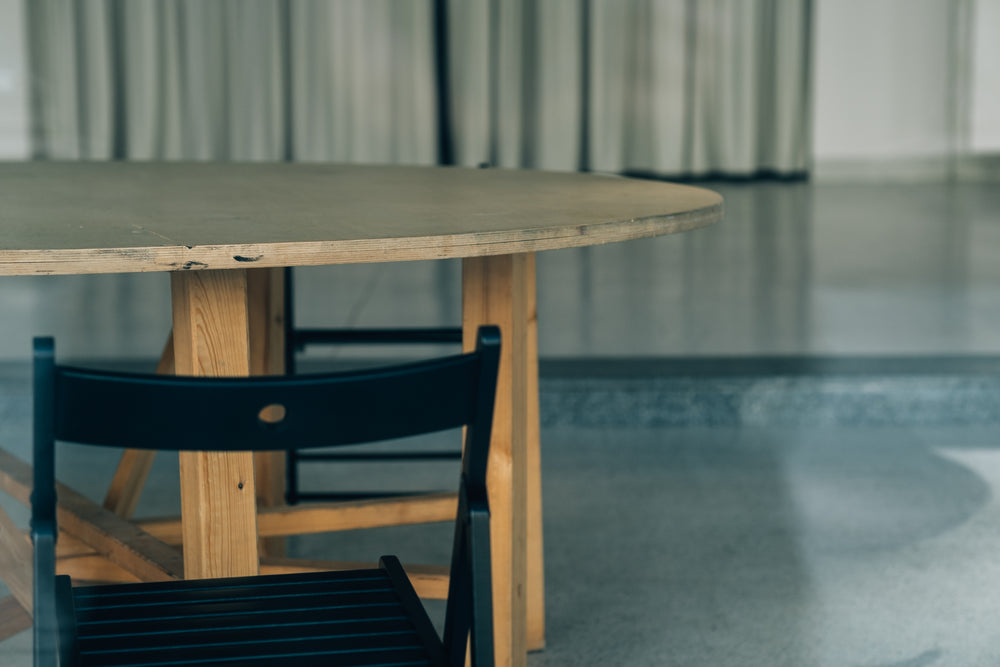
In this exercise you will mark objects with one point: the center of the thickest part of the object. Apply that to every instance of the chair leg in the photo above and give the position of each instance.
(69, 648)
(45, 626)
(481, 644)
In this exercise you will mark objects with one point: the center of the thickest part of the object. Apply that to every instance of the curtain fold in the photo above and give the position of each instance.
(658, 87)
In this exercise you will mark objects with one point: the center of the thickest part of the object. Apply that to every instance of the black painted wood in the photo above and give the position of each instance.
(297, 339)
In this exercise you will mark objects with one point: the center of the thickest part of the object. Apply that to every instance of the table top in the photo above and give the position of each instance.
(115, 217)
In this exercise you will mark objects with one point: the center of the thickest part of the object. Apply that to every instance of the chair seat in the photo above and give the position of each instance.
(329, 618)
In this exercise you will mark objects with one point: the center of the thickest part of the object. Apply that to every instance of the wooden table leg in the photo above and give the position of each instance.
(494, 291)
(103, 532)
(218, 501)
(266, 296)
(535, 575)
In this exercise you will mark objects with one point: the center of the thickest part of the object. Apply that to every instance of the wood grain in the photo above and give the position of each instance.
(13, 618)
(72, 218)
(95, 569)
(285, 520)
(494, 291)
(15, 561)
(108, 534)
(68, 546)
(535, 566)
(218, 501)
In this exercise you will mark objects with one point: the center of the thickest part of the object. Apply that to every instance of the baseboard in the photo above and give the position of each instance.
(970, 168)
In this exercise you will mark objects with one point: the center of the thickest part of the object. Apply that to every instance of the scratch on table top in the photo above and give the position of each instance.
(156, 234)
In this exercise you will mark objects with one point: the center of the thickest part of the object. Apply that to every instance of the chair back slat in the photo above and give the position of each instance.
(250, 414)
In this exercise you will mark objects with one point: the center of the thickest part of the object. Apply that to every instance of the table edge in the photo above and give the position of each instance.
(169, 258)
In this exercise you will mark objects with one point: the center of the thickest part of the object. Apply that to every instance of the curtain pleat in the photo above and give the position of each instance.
(659, 87)
(558, 86)
(362, 81)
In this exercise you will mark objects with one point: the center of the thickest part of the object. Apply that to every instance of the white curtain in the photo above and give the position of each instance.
(662, 87)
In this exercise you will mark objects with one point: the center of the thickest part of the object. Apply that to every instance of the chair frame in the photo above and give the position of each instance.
(232, 414)
(297, 339)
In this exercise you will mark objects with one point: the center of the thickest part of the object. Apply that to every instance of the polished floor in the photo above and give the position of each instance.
(767, 542)
(793, 269)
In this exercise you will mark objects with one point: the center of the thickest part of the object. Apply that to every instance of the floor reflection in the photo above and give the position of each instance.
(793, 269)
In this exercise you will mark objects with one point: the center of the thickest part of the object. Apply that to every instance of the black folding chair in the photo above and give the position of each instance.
(297, 339)
(364, 617)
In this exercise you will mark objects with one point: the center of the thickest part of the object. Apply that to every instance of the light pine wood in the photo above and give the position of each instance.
(86, 570)
(128, 481)
(81, 562)
(87, 217)
(495, 291)
(285, 520)
(13, 618)
(535, 573)
(358, 514)
(429, 581)
(15, 561)
(133, 468)
(266, 295)
(218, 501)
(68, 546)
(118, 539)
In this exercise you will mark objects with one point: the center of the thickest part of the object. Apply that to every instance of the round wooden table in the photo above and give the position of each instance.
(223, 230)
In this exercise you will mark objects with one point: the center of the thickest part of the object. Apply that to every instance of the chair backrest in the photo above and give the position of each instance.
(260, 413)
(232, 414)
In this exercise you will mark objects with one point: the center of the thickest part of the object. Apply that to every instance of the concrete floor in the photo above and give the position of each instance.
(768, 547)
(761, 545)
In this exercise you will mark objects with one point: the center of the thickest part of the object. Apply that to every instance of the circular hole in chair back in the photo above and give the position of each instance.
(272, 414)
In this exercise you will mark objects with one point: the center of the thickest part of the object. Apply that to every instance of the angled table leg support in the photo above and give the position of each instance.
(133, 469)
(15, 561)
(13, 618)
(106, 533)
(211, 337)
(266, 297)
(494, 291)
